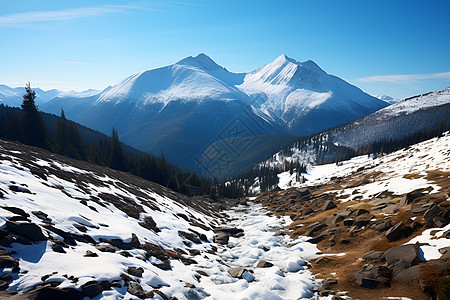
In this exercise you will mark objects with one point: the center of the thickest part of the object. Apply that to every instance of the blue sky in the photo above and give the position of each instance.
(397, 48)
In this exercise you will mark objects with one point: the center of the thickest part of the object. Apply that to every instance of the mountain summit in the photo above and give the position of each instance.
(183, 107)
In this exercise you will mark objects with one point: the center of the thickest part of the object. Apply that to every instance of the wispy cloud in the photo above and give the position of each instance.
(405, 78)
(26, 18)
(73, 62)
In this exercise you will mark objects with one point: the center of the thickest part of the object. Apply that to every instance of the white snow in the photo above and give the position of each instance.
(433, 154)
(287, 279)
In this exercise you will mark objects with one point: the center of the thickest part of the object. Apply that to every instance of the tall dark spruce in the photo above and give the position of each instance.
(33, 126)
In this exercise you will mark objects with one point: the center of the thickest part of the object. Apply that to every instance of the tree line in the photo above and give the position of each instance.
(60, 135)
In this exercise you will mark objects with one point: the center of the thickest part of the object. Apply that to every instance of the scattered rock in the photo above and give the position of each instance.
(89, 253)
(58, 248)
(149, 223)
(348, 222)
(410, 253)
(119, 243)
(135, 271)
(381, 225)
(408, 198)
(328, 205)
(373, 255)
(135, 289)
(91, 289)
(29, 230)
(236, 272)
(221, 238)
(316, 229)
(19, 189)
(105, 248)
(17, 211)
(190, 236)
(264, 264)
(371, 276)
(50, 292)
(396, 232)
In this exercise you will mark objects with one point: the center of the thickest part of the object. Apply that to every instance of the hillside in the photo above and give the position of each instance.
(381, 223)
(404, 123)
(70, 229)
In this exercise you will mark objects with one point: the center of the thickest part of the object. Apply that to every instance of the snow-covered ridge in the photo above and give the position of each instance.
(412, 104)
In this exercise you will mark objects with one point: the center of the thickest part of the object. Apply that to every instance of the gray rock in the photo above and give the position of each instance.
(190, 236)
(19, 189)
(349, 222)
(135, 271)
(328, 205)
(91, 289)
(408, 274)
(236, 272)
(432, 212)
(105, 248)
(29, 230)
(409, 253)
(89, 253)
(395, 232)
(149, 223)
(58, 248)
(408, 198)
(373, 255)
(316, 229)
(264, 264)
(135, 289)
(221, 238)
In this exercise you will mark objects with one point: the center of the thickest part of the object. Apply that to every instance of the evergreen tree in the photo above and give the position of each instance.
(32, 125)
(117, 157)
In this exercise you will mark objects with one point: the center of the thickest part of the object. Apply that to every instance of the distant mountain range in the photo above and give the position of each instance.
(13, 96)
(184, 108)
(409, 118)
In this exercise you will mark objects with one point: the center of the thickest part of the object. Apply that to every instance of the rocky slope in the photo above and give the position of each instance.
(382, 223)
(69, 229)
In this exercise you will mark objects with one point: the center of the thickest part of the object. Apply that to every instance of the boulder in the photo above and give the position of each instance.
(396, 232)
(58, 248)
(91, 289)
(362, 220)
(149, 223)
(89, 253)
(105, 248)
(381, 225)
(360, 211)
(432, 212)
(221, 238)
(7, 261)
(316, 229)
(17, 211)
(49, 292)
(135, 271)
(371, 276)
(119, 243)
(19, 189)
(408, 198)
(328, 205)
(264, 264)
(135, 289)
(190, 236)
(236, 272)
(410, 253)
(29, 230)
(373, 255)
(349, 222)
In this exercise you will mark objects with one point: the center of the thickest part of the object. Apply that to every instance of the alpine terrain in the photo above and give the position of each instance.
(183, 108)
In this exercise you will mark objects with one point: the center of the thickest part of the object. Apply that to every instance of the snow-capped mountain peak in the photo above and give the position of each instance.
(202, 61)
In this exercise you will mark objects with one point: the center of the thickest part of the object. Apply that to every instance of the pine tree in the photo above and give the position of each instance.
(117, 156)
(32, 125)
